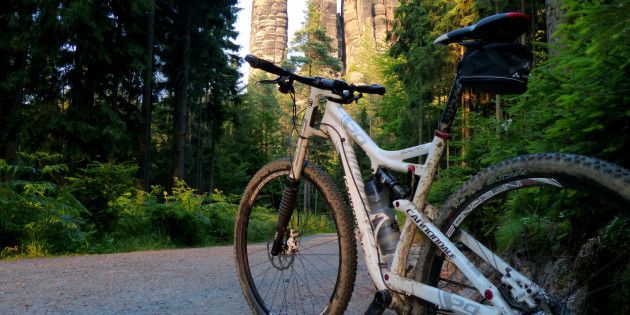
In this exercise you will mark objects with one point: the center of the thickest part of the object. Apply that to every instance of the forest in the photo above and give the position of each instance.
(123, 126)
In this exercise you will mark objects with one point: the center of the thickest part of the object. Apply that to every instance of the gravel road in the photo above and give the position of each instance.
(189, 281)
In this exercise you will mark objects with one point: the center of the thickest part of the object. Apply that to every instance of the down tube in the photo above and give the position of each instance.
(356, 192)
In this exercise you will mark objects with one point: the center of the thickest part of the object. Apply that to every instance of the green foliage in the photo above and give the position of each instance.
(73, 79)
(312, 47)
(268, 127)
(98, 186)
(427, 71)
(190, 219)
(447, 182)
(43, 212)
(73, 82)
(198, 62)
(38, 216)
(247, 143)
(584, 88)
(577, 99)
(261, 222)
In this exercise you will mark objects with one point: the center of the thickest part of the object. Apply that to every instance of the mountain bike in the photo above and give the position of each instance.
(537, 234)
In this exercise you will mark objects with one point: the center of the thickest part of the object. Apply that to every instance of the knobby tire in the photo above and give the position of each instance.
(316, 278)
(561, 220)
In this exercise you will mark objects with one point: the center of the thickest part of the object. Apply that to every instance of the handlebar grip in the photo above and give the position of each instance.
(371, 89)
(266, 65)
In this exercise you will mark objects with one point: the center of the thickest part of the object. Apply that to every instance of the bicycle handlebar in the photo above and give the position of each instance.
(370, 89)
(267, 66)
(336, 86)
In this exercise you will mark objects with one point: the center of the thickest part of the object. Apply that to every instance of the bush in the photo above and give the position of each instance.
(100, 210)
(37, 215)
(189, 219)
(98, 186)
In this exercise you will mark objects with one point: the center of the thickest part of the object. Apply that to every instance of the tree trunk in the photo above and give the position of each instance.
(420, 123)
(213, 141)
(181, 111)
(201, 138)
(12, 96)
(553, 16)
(12, 114)
(499, 114)
(145, 142)
(111, 153)
(465, 124)
(10, 145)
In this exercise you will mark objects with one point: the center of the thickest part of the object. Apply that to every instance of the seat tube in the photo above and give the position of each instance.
(450, 110)
(431, 165)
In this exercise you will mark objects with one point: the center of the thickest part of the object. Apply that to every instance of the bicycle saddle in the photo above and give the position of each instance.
(498, 28)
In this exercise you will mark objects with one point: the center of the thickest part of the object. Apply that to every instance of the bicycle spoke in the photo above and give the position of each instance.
(304, 276)
(556, 236)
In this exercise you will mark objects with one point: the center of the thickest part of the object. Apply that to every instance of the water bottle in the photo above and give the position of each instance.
(382, 218)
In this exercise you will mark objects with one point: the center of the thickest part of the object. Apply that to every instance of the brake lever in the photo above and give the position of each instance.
(358, 97)
(275, 81)
(349, 97)
(285, 85)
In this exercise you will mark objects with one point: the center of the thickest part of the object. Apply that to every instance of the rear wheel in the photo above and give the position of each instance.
(560, 220)
(315, 271)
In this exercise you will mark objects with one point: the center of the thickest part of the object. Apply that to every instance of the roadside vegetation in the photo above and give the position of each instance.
(126, 128)
(44, 212)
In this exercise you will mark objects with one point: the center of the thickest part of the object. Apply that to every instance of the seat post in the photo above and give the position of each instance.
(450, 110)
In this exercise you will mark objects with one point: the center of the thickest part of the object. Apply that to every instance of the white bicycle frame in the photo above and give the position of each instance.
(337, 125)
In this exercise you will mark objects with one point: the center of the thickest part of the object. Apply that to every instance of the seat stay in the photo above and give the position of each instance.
(498, 28)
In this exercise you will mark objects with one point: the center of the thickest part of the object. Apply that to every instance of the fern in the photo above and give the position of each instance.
(38, 213)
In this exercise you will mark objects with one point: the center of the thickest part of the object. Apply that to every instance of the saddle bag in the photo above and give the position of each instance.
(498, 68)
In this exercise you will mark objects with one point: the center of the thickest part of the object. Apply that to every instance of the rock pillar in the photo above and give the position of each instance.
(365, 18)
(269, 30)
(328, 9)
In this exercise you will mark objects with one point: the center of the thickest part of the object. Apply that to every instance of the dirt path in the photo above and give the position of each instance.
(190, 281)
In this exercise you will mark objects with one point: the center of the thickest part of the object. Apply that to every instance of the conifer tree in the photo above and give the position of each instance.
(312, 48)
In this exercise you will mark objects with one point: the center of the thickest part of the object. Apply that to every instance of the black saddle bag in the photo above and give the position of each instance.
(498, 68)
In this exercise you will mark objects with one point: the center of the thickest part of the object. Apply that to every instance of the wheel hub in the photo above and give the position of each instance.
(285, 259)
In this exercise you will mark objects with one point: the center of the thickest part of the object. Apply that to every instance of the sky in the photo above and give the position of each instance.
(295, 10)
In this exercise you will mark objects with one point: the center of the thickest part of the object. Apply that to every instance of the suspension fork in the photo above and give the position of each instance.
(290, 191)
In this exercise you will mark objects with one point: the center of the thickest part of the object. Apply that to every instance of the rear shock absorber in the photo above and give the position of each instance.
(385, 178)
(287, 205)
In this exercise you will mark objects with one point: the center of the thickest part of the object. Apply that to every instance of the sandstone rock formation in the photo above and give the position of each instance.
(365, 18)
(330, 20)
(269, 30)
(358, 18)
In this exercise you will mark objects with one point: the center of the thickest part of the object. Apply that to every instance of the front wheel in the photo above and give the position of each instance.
(315, 271)
(560, 220)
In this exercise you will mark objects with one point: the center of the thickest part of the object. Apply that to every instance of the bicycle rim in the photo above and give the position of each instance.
(305, 278)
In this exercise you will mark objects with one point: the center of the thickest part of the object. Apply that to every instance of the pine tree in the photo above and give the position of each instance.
(312, 48)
